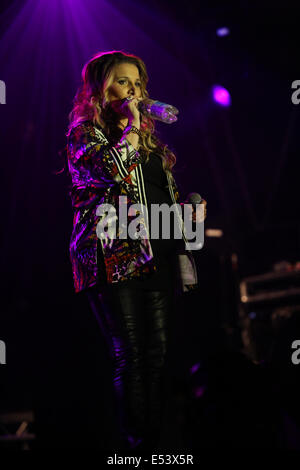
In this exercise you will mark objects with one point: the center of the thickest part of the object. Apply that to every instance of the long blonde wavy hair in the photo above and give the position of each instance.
(91, 103)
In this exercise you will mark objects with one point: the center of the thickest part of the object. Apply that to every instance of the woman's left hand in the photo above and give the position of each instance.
(199, 216)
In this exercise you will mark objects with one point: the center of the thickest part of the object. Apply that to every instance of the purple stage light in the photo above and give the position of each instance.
(221, 95)
(199, 391)
(194, 368)
(223, 31)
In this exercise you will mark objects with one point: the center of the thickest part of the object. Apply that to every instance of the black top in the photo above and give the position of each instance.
(157, 192)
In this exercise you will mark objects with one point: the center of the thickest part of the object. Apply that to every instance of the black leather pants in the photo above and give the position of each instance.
(137, 325)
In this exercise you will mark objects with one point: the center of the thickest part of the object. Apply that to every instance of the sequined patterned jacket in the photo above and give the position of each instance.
(100, 173)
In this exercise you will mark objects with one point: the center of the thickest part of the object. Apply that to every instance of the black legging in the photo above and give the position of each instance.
(136, 324)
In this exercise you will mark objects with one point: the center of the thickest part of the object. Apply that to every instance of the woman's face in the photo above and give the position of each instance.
(125, 82)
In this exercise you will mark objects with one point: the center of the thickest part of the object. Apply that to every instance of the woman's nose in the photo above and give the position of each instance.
(132, 90)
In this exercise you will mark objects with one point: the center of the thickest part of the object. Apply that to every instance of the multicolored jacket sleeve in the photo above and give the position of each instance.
(98, 162)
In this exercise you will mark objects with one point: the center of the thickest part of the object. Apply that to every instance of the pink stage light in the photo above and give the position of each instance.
(221, 95)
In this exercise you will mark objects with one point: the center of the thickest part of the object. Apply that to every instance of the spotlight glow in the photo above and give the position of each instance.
(223, 31)
(199, 391)
(221, 95)
(194, 368)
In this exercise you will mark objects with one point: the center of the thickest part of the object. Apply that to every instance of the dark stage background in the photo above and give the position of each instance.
(243, 159)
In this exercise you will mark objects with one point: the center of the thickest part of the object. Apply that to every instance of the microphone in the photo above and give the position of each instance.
(158, 110)
(193, 198)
